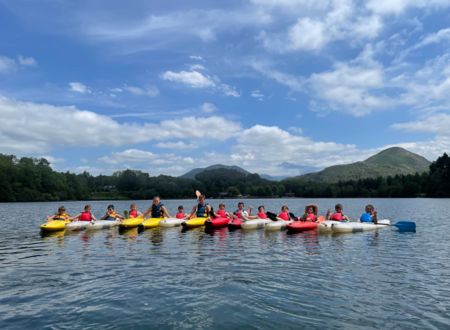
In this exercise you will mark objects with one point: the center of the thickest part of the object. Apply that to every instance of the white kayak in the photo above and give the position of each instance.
(255, 223)
(354, 227)
(98, 224)
(171, 222)
(277, 225)
(325, 226)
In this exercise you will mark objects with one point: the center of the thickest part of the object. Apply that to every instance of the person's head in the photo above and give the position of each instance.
(309, 209)
(87, 207)
(110, 208)
(201, 198)
(338, 208)
(61, 210)
(221, 206)
(240, 206)
(156, 200)
(133, 206)
(180, 208)
(261, 208)
(369, 208)
(284, 208)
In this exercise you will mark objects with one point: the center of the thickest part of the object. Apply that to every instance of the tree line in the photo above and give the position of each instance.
(32, 179)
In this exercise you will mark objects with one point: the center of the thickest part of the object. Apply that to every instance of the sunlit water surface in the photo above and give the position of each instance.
(165, 278)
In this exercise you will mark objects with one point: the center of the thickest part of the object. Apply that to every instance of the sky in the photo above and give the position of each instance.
(277, 87)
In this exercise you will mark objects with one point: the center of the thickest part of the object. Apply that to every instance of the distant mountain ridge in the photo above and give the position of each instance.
(389, 162)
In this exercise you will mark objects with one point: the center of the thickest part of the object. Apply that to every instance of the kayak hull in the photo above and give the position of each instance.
(300, 226)
(151, 223)
(102, 224)
(193, 223)
(235, 224)
(54, 225)
(255, 223)
(325, 226)
(170, 222)
(130, 223)
(277, 225)
(355, 227)
(217, 223)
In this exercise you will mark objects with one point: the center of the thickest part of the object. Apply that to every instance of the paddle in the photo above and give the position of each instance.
(292, 216)
(198, 193)
(272, 216)
(402, 225)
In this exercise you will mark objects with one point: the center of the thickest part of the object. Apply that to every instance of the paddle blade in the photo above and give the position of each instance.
(271, 216)
(405, 226)
(198, 193)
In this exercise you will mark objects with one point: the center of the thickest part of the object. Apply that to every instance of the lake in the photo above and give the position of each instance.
(165, 278)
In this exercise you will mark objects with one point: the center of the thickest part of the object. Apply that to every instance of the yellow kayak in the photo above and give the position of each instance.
(54, 225)
(151, 223)
(194, 222)
(131, 222)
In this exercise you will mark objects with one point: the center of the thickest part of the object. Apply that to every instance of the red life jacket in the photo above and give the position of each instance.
(284, 216)
(311, 217)
(179, 215)
(222, 213)
(133, 213)
(336, 216)
(85, 216)
(262, 215)
(238, 214)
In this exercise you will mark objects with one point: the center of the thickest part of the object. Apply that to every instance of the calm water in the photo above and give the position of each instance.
(168, 279)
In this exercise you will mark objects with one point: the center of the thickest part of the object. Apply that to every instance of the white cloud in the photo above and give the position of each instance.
(79, 87)
(196, 57)
(193, 79)
(257, 95)
(208, 107)
(8, 65)
(29, 128)
(438, 123)
(294, 83)
(179, 145)
(196, 67)
(151, 91)
(396, 7)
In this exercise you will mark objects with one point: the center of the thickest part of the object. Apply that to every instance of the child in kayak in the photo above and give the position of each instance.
(338, 215)
(157, 210)
(284, 214)
(111, 214)
(260, 215)
(180, 214)
(221, 213)
(310, 213)
(370, 215)
(240, 213)
(202, 209)
(86, 215)
(60, 215)
(134, 212)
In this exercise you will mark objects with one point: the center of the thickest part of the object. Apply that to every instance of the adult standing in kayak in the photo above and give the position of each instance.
(157, 210)
(370, 215)
(111, 214)
(201, 210)
(86, 215)
(338, 214)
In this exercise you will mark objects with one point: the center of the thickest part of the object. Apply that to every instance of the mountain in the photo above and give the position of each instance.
(193, 173)
(388, 162)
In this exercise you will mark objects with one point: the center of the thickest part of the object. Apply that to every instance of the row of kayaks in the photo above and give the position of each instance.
(292, 226)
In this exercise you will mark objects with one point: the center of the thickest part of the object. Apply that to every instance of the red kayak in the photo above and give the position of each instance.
(235, 224)
(216, 223)
(299, 226)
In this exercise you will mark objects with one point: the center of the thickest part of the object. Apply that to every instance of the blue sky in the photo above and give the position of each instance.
(277, 87)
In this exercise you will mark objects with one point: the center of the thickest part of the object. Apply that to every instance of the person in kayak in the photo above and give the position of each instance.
(157, 210)
(284, 214)
(221, 212)
(310, 213)
(338, 214)
(370, 215)
(111, 214)
(240, 213)
(201, 210)
(260, 215)
(60, 215)
(134, 212)
(180, 214)
(86, 215)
